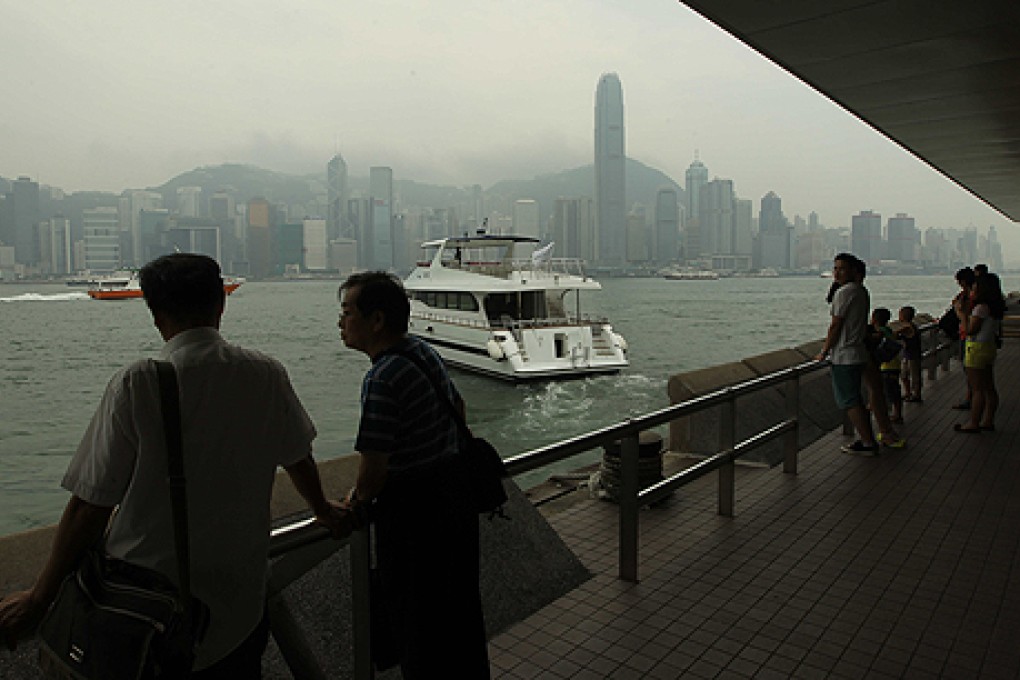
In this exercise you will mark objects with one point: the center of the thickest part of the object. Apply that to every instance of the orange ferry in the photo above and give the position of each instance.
(130, 289)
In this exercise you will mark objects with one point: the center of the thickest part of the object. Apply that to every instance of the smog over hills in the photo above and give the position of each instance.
(113, 96)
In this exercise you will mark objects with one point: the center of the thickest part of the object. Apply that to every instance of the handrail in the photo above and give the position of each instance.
(300, 544)
(297, 534)
(552, 453)
(627, 432)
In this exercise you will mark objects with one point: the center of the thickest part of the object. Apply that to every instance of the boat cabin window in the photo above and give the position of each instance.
(517, 306)
(453, 258)
(447, 300)
(557, 308)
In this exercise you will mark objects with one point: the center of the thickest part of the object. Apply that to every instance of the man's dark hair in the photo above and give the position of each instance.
(856, 263)
(980, 269)
(882, 315)
(187, 287)
(965, 276)
(380, 291)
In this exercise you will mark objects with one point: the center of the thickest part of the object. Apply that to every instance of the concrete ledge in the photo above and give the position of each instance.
(770, 362)
(524, 565)
(810, 349)
(23, 555)
(683, 386)
(699, 434)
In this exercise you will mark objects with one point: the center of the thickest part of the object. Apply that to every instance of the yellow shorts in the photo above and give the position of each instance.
(979, 354)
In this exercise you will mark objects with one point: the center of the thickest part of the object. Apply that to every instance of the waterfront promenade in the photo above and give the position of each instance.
(905, 565)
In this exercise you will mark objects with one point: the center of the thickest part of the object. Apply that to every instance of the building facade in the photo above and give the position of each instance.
(380, 188)
(610, 171)
(101, 227)
(337, 194)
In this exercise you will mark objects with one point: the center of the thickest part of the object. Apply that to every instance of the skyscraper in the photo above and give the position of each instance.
(24, 214)
(573, 228)
(715, 217)
(336, 187)
(258, 242)
(102, 240)
(775, 234)
(667, 226)
(139, 201)
(610, 171)
(380, 188)
(526, 218)
(902, 238)
(695, 178)
(866, 236)
(189, 201)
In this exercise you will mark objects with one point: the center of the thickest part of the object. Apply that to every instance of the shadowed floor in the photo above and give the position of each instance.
(902, 565)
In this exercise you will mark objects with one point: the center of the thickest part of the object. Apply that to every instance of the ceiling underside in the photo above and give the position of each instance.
(939, 77)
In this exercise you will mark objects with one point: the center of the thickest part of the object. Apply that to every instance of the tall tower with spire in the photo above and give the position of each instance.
(610, 171)
(336, 183)
(696, 177)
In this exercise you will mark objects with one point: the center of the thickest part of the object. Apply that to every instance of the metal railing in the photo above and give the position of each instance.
(632, 497)
(301, 545)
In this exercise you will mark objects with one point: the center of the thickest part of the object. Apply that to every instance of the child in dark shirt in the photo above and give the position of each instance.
(910, 370)
(891, 368)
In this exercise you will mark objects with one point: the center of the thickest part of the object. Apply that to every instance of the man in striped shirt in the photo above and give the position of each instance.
(412, 484)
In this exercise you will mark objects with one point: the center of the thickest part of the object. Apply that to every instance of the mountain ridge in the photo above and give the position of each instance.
(307, 193)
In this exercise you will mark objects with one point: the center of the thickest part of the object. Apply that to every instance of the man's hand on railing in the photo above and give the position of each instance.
(339, 521)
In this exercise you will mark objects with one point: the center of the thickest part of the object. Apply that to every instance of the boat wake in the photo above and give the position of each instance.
(39, 297)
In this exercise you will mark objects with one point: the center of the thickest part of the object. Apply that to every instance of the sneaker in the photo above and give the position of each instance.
(897, 443)
(860, 447)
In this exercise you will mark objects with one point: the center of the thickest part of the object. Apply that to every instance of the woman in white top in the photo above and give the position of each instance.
(983, 325)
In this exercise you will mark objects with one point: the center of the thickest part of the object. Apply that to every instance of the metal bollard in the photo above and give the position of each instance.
(629, 509)
(791, 439)
(727, 473)
(360, 562)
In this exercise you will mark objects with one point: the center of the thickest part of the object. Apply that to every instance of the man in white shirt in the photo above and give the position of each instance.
(844, 345)
(240, 420)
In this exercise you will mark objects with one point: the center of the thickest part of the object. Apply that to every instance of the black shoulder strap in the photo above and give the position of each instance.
(171, 408)
(443, 396)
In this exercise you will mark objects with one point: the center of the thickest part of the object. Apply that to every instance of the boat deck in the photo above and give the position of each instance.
(900, 566)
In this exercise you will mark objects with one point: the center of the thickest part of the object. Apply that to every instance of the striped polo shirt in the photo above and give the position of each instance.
(400, 412)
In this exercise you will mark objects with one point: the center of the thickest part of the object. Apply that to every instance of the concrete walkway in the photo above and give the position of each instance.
(900, 566)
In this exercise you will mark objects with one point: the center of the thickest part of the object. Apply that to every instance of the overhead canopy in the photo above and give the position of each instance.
(940, 77)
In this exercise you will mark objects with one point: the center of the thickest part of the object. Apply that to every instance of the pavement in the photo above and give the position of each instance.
(903, 565)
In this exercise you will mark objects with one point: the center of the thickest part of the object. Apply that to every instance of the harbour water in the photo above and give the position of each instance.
(58, 349)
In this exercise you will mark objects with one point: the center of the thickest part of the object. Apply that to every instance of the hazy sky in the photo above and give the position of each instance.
(115, 94)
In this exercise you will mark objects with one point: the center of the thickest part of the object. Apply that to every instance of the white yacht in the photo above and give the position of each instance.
(517, 319)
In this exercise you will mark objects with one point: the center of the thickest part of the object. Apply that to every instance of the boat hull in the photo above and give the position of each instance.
(136, 293)
(526, 354)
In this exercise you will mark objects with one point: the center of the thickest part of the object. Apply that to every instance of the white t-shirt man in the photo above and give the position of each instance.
(240, 420)
(850, 303)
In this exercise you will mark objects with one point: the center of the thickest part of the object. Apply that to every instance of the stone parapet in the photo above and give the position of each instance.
(699, 434)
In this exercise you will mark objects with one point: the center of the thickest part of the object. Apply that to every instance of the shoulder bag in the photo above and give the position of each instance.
(949, 323)
(486, 469)
(113, 620)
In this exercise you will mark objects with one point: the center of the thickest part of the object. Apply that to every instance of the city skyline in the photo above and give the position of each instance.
(116, 95)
